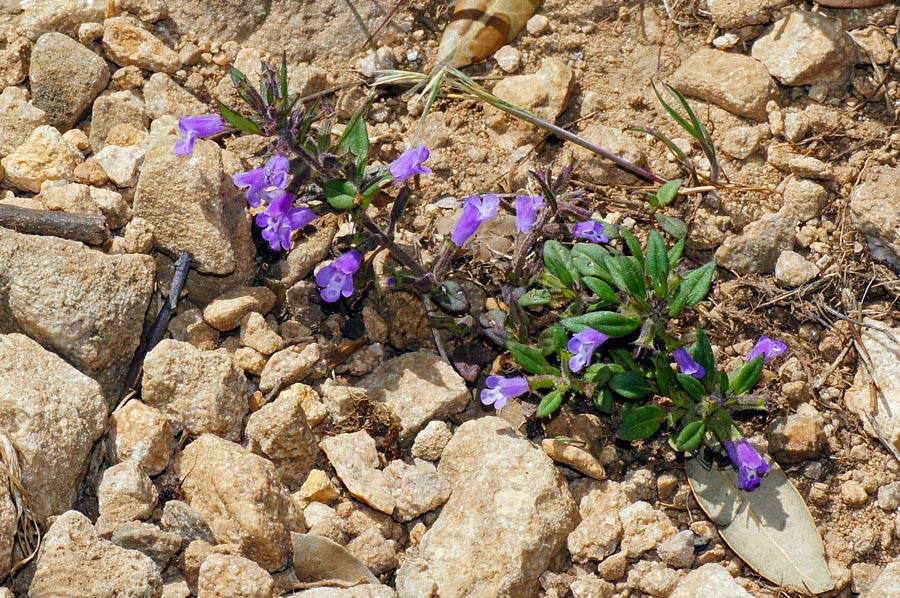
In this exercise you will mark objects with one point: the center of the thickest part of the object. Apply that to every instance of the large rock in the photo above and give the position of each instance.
(875, 210)
(44, 156)
(142, 434)
(164, 96)
(53, 414)
(75, 561)
(735, 82)
(202, 392)
(83, 304)
(182, 197)
(544, 93)
(115, 108)
(882, 406)
(511, 520)
(417, 388)
(220, 19)
(240, 497)
(18, 118)
(65, 78)
(126, 44)
(64, 16)
(806, 48)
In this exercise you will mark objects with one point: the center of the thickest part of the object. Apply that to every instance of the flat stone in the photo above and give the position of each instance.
(126, 493)
(164, 96)
(59, 414)
(65, 78)
(86, 305)
(44, 156)
(417, 489)
(757, 247)
(279, 431)
(159, 545)
(293, 364)
(226, 311)
(573, 456)
(598, 534)
(792, 270)
(75, 561)
(127, 44)
(709, 581)
(884, 354)
(806, 48)
(417, 388)
(544, 93)
(737, 83)
(241, 498)
(198, 391)
(18, 118)
(116, 108)
(181, 197)
(355, 460)
(233, 576)
(513, 520)
(875, 212)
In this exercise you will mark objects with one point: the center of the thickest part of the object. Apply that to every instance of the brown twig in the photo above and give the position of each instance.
(86, 228)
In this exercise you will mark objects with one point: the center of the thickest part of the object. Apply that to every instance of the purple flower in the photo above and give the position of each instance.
(582, 347)
(192, 127)
(500, 390)
(410, 163)
(766, 346)
(750, 464)
(336, 279)
(687, 365)
(264, 183)
(475, 211)
(527, 208)
(281, 219)
(590, 230)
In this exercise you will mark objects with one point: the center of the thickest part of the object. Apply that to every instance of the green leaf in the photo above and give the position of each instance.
(641, 422)
(676, 252)
(238, 121)
(340, 194)
(668, 192)
(631, 386)
(690, 437)
(665, 377)
(634, 246)
(550, 403)
(657, 263)
(608, 322)
(603, 401)
(703, 354)
(674, 226)
(627, 273)
(691, 385)
(770, 528)
(535, 297)
(693, 288)
(530, 359)
(283, 77)
(559, 262)
(745, 378)
(598, 373)
(553, 339)
(590, 260)
(355, 138)
(601, 289)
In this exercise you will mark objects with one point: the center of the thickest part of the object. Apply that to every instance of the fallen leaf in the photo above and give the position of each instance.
(479, 28)
(770, 528)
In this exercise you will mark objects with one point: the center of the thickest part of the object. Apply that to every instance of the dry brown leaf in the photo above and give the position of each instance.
(479, 28)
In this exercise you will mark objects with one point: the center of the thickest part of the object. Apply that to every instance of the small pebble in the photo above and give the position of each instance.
(853, 494)
(537, 24)
(508, 59)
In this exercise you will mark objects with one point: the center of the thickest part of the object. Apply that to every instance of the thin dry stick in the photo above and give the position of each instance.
(86, 228)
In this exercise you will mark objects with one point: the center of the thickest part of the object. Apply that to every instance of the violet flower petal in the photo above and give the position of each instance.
(264, 184)
(582, 346)
(751, 466)
(500, 390)
(527, 208)
(280, 219)
(767, 347)
(687, 365)
(590, 230)
(410, 163)
(336, 279)
(475, 211)
(193, 127)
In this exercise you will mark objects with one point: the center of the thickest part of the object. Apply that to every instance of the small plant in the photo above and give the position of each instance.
(590, 312)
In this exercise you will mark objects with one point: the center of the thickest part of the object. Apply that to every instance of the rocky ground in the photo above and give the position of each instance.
(271, 452)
